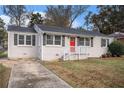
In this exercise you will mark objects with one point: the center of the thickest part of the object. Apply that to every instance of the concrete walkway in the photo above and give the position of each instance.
(32, 74)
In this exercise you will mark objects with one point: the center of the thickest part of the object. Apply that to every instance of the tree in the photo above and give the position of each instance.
(1, 24)
(16, 13)
(63, 16)
(109, 19)
(36, 19)
(3, 33)
(87, 20)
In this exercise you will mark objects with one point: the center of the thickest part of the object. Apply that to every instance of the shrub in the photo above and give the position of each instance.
(116, 48)
(108, 54)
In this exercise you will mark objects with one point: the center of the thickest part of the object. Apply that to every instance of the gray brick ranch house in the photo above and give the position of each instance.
(54, 43)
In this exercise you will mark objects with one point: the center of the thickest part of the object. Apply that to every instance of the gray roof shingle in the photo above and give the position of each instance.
(68, 30)
(53, 29)
(21, 29)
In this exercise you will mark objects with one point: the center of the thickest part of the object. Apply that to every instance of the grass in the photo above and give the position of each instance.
(3, 54)
(4, 76)
(107, 72)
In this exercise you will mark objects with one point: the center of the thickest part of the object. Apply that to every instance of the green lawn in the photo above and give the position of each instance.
(107, 72)
(4, 76)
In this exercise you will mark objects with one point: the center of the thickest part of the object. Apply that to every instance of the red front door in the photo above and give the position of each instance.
(72, 44)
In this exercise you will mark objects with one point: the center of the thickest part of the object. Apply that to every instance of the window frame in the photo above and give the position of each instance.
(58, 40)
(47, 39)
(84, 42)
(81, 41)
(19, 39)
(53, 40)
(102, 45)
(25, 39)
(88, 42)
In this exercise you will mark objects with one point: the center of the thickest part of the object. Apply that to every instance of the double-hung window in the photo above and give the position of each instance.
(103, 42)
(81, 41)
(28, 39)
(57, 40)
(87, 41)
(49, 39)
(21, 40)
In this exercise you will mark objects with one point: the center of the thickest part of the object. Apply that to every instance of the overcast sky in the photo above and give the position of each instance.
(42, 8)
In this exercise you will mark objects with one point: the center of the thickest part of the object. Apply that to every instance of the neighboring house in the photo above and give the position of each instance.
(118, 36)
(53, 43)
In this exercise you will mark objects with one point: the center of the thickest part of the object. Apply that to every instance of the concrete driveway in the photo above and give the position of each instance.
(31, 74)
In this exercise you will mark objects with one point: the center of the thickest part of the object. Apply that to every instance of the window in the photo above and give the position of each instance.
(103, 42)
(87, 41)
(28, 39)
(57, 40)
(49, 39)
(81, 41)
(15, 39)
(53, 40)
(21, 39)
